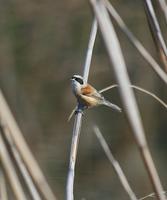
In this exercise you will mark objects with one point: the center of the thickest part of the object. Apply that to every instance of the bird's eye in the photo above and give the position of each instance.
(79, 80)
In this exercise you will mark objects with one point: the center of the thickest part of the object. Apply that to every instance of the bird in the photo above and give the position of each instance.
(87, 96)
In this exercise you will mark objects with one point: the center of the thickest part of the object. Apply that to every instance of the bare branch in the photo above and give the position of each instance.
(115, 164)
(128, 98)
(78, 118)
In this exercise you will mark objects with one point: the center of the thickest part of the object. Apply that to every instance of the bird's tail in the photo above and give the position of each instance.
(111, 105)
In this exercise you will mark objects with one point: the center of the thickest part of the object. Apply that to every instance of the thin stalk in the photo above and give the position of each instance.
(163, 6)
(78, 118)
(127, 95)
(10, 171)
(156, 31)
(3, 186)
(139, 89)
(73, 154)
(20, 164)
(115, 164)
(91, 43)
(72, 113)
(152, 195)
(132, 86)
(9, 123)
(135, 42)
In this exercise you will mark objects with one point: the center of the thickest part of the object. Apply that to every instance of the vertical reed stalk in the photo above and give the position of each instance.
(78, 119)
(127, 95)
(156, 31)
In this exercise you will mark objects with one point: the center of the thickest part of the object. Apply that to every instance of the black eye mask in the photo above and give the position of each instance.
(79, 80)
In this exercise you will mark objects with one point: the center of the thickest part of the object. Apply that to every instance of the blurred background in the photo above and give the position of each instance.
(42, 44)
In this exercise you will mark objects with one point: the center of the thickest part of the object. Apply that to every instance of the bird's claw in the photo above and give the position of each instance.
(79, 110)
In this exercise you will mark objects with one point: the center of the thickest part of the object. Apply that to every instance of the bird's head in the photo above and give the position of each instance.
(77, 79)
(77, 83)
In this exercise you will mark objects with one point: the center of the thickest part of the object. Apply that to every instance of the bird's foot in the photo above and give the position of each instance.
(79, 110)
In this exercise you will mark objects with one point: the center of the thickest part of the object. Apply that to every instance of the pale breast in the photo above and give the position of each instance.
(88, 101)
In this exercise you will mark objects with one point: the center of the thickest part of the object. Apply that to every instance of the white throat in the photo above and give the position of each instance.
(76, 87)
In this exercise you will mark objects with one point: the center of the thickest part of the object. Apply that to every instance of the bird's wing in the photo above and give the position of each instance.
(88, 90)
